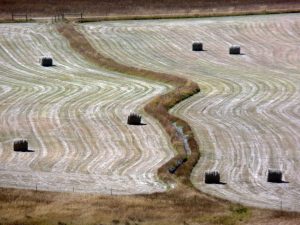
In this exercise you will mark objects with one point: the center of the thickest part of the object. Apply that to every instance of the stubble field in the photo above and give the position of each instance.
(74, 117)
(246, 120)
(247, 116)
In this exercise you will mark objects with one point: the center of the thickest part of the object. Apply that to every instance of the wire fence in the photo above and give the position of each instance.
(70, 189)
(24, 16)
(64, 15)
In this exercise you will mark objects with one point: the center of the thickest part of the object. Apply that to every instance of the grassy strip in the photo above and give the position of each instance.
(201, 14)
(17, 21)
(176, 207)
(158, 107)
(186, 15)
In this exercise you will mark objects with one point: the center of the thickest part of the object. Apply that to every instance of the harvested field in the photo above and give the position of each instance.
(247, 116)
(74, 116)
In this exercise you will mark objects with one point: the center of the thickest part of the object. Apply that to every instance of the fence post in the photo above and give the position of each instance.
(12, 16)
(26, 17)
(36, 187)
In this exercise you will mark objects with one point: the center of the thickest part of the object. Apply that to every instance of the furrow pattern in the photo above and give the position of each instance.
(247, 116)
(74, 116)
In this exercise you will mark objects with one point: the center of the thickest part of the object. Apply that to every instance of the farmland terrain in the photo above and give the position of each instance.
(246, 118)
(74, 117)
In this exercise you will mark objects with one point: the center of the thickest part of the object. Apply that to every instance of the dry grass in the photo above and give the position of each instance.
(175, 207)
(180, 206)
(138, 7)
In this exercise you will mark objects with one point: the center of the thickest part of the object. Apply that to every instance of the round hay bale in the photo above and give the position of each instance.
(46, 61)
(134, 119)
(274, 176)
(197, 46)
(235, 50)
(212, 177)
(20, 146)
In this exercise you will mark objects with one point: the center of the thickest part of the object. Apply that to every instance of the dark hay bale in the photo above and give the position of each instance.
(212, 177)
(172, 169)
(134, 119)
(197, 46)
(274, 176)
(21, 146)
(235, 50)
(46, 61)
(179, 162)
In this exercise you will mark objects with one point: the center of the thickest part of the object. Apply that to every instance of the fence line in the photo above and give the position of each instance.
(18, 15)
(63, 15)
(41, 187)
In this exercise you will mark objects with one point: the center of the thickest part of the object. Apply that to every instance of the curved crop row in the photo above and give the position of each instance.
(74, 117)
(247, 115)
(157, 107)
